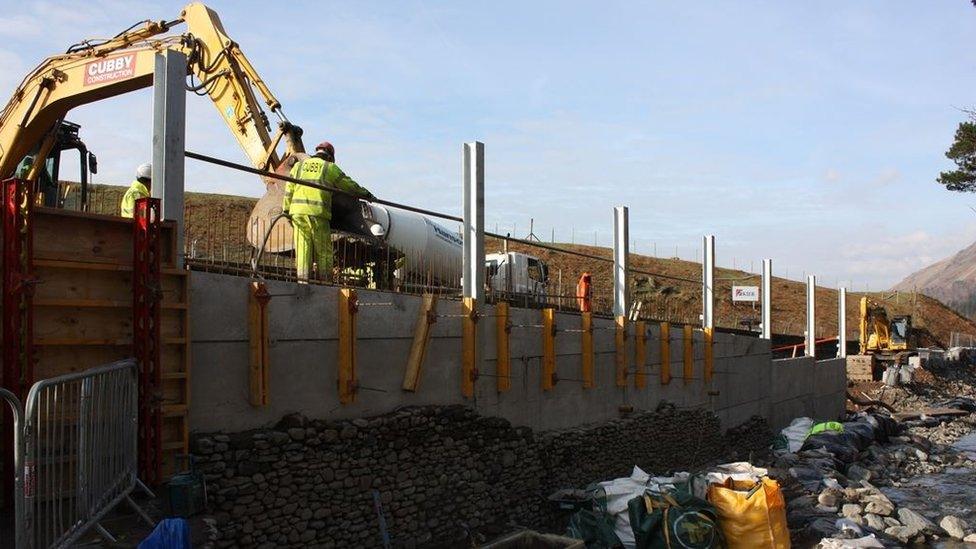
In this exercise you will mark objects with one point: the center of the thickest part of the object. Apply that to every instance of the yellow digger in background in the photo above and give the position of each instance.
(889, 340)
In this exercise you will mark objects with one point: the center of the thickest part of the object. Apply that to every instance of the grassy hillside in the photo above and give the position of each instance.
(681, 301)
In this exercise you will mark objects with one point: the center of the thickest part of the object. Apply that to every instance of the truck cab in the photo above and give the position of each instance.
(518, 277)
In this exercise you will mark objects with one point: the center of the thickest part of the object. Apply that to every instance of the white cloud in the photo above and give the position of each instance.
(18, 26)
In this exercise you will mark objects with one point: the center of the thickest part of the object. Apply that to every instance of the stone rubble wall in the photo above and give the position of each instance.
(439, 471)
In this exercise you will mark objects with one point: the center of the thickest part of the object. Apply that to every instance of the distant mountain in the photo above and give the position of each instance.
(951, 281)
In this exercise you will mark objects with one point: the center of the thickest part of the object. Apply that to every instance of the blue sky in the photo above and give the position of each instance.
(806, 132)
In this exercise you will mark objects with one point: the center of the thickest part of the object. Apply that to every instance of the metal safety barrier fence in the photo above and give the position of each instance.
(16, 414)
(77, 457)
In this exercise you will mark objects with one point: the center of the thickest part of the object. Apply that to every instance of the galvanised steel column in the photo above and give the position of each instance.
(473, 198)
(842, 323)
(169, 139)
(708, 281)
(811, 346)
(621, 251)
(767, 299)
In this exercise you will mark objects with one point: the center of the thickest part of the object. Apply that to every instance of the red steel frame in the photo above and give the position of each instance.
(18, 293)
(146, 295)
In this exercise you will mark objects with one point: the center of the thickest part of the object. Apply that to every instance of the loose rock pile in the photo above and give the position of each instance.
(826, 483)
(440, 474)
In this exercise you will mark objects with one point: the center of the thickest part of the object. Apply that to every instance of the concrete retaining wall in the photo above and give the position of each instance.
(303, 356)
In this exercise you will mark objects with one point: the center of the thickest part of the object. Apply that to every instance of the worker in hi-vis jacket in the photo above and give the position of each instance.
(310, 209)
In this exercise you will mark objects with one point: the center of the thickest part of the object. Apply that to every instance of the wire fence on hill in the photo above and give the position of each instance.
(222, 236)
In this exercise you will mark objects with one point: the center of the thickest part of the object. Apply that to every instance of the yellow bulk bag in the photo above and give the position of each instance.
(752, 514)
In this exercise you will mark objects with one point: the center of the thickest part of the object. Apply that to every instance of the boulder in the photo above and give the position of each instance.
(875, 522)
(954, 526)
(851, 510)
(903, 534)
(829, 497)
(878, 504)
(913, 519)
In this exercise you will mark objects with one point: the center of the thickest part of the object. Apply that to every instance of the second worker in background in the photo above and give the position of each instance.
(310, 210)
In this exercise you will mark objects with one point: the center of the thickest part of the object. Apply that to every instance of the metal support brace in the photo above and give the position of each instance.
(347, 380)
(811, 346)
(586, 348)
(503, 362)
(169, 138)
(767, 299)
(146, 340)
(665, 353)
(548, 349)
(421, 338)
(842, 323)
(621, 351)
(708, 281)
(260, 343)
(640, 354)
(469, 342)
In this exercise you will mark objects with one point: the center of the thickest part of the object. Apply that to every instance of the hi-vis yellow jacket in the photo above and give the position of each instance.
(302, 200)
(135, 191)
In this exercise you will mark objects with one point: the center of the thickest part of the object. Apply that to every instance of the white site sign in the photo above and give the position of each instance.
(745, 293)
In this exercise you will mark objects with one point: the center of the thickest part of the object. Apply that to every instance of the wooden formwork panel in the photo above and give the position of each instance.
(64, 359)
(75, 236)
(81, 326)
(97, 284)
(83, 308)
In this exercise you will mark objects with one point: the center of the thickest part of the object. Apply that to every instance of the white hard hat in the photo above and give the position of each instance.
(144, 171)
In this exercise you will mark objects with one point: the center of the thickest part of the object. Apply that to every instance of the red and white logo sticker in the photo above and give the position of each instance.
(110, 69)
(745, 293)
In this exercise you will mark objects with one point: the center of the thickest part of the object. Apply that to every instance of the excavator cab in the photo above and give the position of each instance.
(901, 333)
(47, 180)
(67, 140)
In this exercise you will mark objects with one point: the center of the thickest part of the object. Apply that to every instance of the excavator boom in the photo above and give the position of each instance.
(96, 70)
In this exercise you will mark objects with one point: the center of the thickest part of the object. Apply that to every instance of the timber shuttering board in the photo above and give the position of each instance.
(83, 314)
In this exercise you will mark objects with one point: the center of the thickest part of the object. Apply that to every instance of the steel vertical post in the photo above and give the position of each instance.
(842, 323)
(708, 282)
(621, 251)
(473, 198)
(811, 344)
(169, 138)
(767, 298)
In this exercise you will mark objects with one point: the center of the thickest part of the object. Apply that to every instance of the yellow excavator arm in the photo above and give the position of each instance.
(95, 70)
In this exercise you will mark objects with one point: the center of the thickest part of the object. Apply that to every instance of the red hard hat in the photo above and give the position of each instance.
(327, 147)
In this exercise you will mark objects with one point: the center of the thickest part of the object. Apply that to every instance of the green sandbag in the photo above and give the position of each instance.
(677, 520)
(594, 525)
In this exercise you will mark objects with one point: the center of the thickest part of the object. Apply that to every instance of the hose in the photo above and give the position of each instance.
(256, 259)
